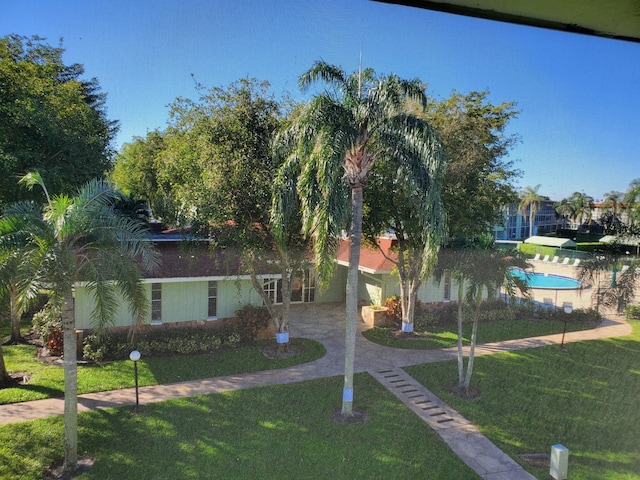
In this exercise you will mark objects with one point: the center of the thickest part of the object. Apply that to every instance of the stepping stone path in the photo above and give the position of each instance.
(464, 438)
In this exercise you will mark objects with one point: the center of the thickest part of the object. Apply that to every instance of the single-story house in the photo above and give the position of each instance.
(194, 284)
(377, 280)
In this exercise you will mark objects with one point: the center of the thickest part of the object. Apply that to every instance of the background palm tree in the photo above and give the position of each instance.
(581, 208)
(529, 200)
(564, 208)
(632, 201)
(359, 120)
(614, 286)
(75, 239)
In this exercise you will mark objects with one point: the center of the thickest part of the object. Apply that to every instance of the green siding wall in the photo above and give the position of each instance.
(182, 301)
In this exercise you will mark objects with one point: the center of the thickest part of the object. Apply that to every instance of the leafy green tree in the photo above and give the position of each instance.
(391, 201)
(217, 162)
(50, 120)
(477, 183)
(135, 172)
(479, 178)
(81, 239)
(529, 201)
(359, 120)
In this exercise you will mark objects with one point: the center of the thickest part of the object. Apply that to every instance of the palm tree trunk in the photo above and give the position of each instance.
(6, 380)
(472, 350)
(352, 300)
(15, 315)
(70, 384)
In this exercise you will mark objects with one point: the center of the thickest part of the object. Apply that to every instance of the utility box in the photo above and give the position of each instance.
(559, 462)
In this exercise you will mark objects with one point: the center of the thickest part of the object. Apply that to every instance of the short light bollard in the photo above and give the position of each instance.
(568, 308)
(559, 462)
(135, 356)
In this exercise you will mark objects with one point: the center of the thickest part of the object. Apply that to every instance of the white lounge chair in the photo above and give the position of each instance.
(536, 258)
(624, 268)
(565, 261)
(576, 262)
(546, 258)
(555, 259)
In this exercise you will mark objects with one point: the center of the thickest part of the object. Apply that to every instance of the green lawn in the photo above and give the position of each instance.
(276, 432)
(47, 380)
(496, 331)
(585, 398)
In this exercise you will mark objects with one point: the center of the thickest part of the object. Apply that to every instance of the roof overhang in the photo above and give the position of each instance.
(551, 242)
(617, 19)
(621, 239)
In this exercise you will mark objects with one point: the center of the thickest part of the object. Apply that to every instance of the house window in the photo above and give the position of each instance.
(156, 303)
(447, 286)
(213, 300)
(303, 289)
(270, 286)
(309, 285)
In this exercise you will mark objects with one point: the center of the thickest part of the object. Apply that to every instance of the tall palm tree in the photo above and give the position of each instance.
(632, 201)
(82, 239)
(581, 207)
(529, 200)
(338, 137)
(564, 208)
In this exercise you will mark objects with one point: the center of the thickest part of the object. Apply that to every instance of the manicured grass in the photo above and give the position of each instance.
(47, 380)
(585, 398)
(276, 432)
(497, 331)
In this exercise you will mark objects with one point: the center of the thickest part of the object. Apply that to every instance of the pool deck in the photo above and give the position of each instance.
(579, 298)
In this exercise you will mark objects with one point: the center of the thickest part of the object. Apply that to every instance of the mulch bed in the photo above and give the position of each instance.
(273, 351)
(55, 472)
(399, 334)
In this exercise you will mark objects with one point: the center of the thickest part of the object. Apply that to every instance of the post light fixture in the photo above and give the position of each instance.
(135, 356)
(568, 308)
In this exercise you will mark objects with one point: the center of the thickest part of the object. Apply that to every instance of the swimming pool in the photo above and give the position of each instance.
(544, 280)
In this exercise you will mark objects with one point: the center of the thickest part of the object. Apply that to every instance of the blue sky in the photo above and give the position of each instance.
(579, 96)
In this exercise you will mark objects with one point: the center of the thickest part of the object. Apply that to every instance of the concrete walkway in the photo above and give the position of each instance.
(325, 323)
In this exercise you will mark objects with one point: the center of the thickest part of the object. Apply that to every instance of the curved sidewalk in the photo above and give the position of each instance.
(323, 324)
(326, 325)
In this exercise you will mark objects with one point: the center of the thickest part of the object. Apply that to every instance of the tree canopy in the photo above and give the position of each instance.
(479, 179)
(51, 120)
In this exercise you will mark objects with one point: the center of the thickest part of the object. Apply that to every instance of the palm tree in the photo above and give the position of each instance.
(581, 207)
(632, 199)
(478, 268)
(529, 200)
(614, 287)
(564, 208)
(338, 137)
(74, 239)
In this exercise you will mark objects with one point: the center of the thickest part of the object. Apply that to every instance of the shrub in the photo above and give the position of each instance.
(157, 342)
(48, 323)
(632, 312)
(250, 321)
(394, 308)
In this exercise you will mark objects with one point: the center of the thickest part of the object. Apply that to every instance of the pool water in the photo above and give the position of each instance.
(544, 280)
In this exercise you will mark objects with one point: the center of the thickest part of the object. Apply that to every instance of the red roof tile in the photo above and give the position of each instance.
(371, 259)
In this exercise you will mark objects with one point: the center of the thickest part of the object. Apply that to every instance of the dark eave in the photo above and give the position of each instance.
(616, 19)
